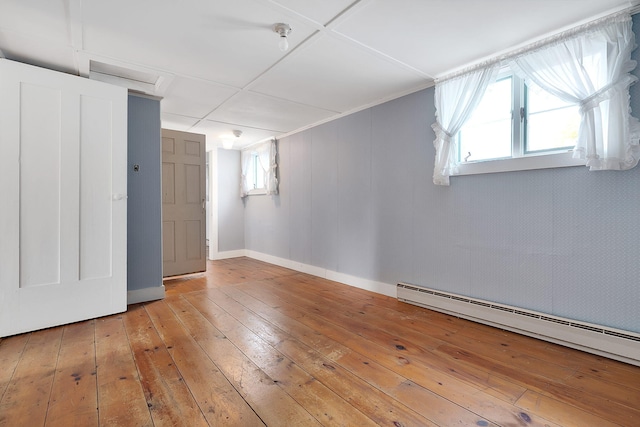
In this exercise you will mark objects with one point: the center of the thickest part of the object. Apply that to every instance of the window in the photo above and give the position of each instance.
(255, 175)
(258, 164)
(579, 114)
(514, 120)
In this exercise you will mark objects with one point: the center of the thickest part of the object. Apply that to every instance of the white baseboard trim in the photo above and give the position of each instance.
(228, 254)
(145, 294)
(357, 282)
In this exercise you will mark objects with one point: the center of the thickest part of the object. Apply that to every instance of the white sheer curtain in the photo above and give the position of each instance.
(455, 101)
(592, 70)
(245, 164)
(267, 159)
(265, 155)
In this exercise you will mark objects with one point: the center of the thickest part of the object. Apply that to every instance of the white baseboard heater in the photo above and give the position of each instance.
(609, 342)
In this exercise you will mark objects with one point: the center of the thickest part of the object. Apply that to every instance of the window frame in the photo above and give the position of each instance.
(254, 166)
(261, 158)
(520, 159)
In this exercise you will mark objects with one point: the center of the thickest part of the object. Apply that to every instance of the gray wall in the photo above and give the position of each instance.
(356, 197)
(230, 207)
(144, 205)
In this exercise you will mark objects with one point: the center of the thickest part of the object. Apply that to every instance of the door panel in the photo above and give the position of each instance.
(168, 183)
(95, 189)
(192, 185)
(63, 183)
(39, 185)
(183, 209)
(168, 241)
(193, 239)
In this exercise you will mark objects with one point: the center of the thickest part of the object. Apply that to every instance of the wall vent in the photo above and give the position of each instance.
(135, 80)
(613, 343)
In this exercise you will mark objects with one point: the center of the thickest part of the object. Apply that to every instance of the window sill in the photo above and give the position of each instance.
(541, 161)
(257, 192)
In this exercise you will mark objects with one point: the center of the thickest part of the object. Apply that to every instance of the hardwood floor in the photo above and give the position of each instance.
(251, 344)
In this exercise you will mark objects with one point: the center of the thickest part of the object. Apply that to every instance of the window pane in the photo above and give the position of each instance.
(259, 175)
(551, 124)
(251, 172)
(487, 134)
(553, 129)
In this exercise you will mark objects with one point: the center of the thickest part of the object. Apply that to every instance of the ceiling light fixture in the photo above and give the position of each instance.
(227, 143)
(283, 30)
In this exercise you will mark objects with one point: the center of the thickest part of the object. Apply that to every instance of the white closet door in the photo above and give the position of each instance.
(63, 186)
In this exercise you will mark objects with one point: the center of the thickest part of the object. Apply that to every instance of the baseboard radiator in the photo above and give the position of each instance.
(608, 342)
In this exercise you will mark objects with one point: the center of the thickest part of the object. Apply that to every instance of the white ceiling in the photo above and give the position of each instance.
(217, 65)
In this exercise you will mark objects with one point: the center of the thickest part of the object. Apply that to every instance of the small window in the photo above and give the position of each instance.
(579, 115)
(256, 178)
(258, 165)
(255, 175)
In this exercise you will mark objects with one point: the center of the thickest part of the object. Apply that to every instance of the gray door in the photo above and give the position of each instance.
(183, 203)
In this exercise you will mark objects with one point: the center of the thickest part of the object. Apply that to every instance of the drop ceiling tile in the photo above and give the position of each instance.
(43, 19)
(266, 112)
(337, 76)
(226, 42)
(38, 52)
(37, 32)
(176, 122)
(320, 11)
(436, 37)
(216, 132)
(194, 98)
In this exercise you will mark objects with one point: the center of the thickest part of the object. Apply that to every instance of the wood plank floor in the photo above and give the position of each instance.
(252, 344)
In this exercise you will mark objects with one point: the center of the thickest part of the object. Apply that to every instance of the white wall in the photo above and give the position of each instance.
(230, 207)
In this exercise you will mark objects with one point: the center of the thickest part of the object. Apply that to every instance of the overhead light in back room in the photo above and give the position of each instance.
(228, 142)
